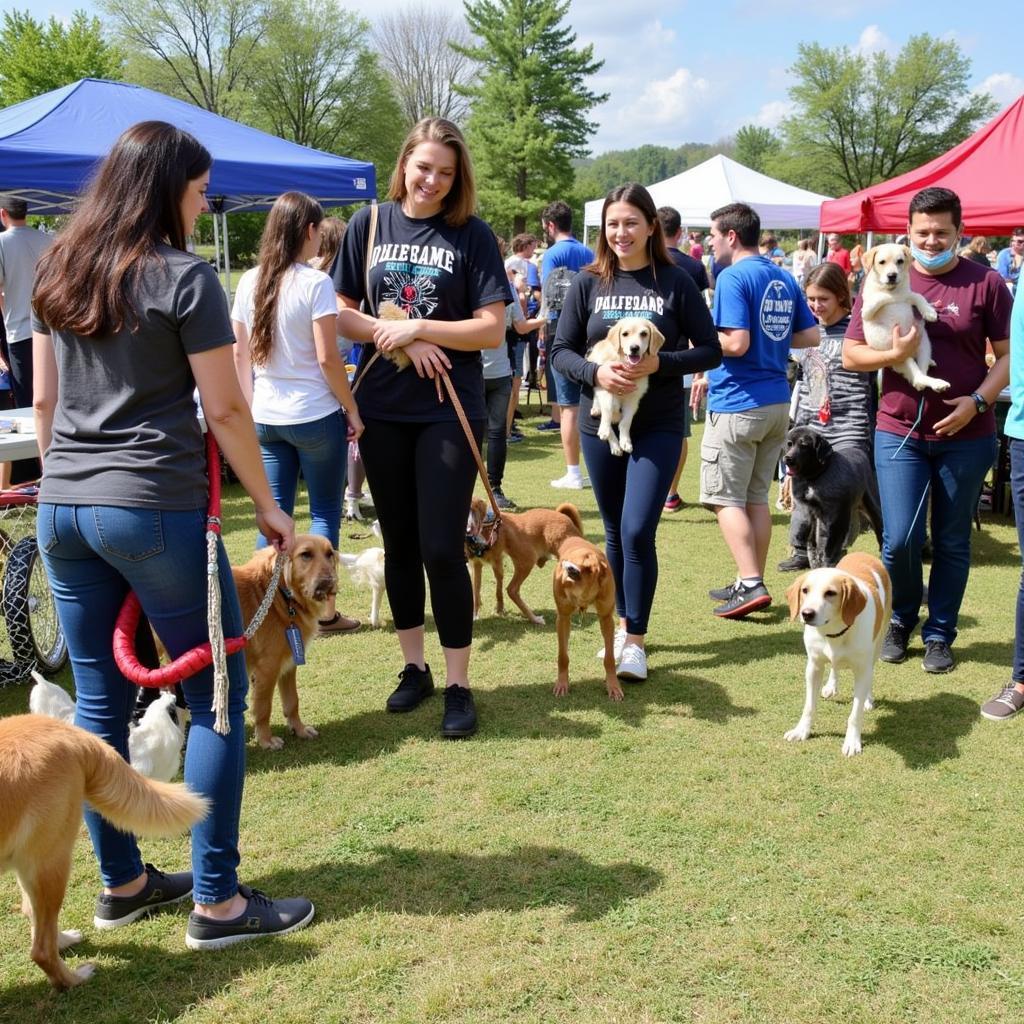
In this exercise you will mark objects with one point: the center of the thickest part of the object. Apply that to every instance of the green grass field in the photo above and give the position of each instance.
(669, 858)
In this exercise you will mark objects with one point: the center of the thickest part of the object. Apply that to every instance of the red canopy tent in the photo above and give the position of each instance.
(986, 171)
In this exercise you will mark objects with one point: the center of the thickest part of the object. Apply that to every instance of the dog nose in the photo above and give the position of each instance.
(892, 277)
(807, 614)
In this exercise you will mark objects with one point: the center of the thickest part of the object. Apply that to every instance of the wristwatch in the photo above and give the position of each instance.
(980, 404)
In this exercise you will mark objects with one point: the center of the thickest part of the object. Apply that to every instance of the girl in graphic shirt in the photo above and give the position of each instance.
(633, 275)
(438, 263)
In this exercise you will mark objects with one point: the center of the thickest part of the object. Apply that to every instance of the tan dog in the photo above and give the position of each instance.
(845, 612)
(47, 768)
(391, 311)
(629, 341)
(528, 538)
(309, 579)
(583, 578)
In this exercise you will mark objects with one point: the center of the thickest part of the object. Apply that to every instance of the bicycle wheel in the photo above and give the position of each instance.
(30, 611)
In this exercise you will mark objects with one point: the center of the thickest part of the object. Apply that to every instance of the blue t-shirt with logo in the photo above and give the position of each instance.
(569, 252)
(757, 296)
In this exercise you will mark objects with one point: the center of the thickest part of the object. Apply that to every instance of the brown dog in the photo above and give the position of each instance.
(47, 768)
(309, 579)
(529, 539)
(583, 578)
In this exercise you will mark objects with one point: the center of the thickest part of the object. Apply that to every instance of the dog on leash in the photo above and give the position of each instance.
(583, 578)
(845, 612)
(888, 302)
(628, 341)
(528, 538)
(47, 769)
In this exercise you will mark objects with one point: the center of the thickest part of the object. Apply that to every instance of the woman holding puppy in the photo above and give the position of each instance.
(437, 263)
(634, 276)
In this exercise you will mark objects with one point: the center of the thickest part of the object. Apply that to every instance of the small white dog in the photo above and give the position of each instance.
(367, 569)
(889, 303)
(628, 342)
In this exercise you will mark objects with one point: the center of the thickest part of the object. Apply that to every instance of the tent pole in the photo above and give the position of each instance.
(227, 258)
(871, 239)
(216, 242)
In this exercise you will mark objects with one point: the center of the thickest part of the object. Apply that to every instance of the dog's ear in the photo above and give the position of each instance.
(613, 333)
(657, 338)
(907, 252)
(868, 259)
(851, 601)
(793, 595)
(822, 446)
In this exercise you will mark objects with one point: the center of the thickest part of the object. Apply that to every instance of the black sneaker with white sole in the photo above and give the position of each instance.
(894, 646)
(744, 600)
(159, 891)
(261, 918)
(723, 593)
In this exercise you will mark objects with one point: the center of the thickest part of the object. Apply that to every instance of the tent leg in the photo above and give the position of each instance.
(227, 258)
(216, 242)
(871, 239)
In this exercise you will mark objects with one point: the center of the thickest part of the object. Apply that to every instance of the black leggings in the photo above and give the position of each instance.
(421, 476)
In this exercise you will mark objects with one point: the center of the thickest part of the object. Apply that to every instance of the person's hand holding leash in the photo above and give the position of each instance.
(427, 358)
(276, 525)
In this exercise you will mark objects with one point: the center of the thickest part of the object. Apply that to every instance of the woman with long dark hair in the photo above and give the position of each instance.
(126, 325)
(285, 321)
(634, 276)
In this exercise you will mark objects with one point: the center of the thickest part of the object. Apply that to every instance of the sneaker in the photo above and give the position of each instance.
(351, 509)
(501, 501)
(632, 666)
(938, 658)
(263, 916)
(514, 438)
(459, 718)
(160, 890)
(894, 646)
(723, 593)
(571, 482)
(1005, 704)
(673, 503)
(550, 425)
(797, 562)
(414, 687)
(743, 601)
(618, 643)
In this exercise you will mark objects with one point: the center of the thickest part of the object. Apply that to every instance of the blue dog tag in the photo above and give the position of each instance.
(296, 644)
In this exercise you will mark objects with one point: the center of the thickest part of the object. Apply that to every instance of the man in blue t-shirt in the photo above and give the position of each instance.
(760, 313)
(1010, 259)
(564, 395)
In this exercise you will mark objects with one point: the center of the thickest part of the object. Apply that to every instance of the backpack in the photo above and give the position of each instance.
(556, 288)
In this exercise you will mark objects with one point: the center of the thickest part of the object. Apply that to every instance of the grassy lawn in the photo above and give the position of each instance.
(669, 858)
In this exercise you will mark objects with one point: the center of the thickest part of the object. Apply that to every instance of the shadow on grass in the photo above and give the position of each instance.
(924, 732)
(989, 549)
(400, 880)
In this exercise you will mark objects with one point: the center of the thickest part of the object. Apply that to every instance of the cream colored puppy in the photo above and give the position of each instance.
(627, 342)
(845, 612)
(889, 303)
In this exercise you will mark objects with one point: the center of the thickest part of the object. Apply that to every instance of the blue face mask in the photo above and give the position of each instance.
(934, 261)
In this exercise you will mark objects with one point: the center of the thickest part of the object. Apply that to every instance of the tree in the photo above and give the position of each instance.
(37, 57)
(414, 47)
(755, 146)
(530, 107)
(862, 118)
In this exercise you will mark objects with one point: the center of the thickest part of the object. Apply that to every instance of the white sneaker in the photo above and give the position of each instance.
(633, 663)
(571, 482)
(617, 644)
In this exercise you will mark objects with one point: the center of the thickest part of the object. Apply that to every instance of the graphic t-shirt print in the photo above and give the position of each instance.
(618, 307)
(411, 273)
(777, 308)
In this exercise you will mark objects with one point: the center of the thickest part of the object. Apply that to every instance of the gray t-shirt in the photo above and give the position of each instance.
(20, 249)
(125, 430)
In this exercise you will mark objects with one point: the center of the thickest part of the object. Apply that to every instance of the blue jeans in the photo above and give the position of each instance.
(93, 555)
(1017, 491)
(952, 471)
(320, 450)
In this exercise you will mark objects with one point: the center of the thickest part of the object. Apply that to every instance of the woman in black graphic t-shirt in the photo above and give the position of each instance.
(436, 261)
(633, 276)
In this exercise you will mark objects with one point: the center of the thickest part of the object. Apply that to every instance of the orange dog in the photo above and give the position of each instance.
(583, 578)
(529, 539)
(47, 768)
(309, 579)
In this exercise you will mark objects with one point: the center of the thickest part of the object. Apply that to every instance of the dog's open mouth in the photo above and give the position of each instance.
(324, 591)
(633, 358)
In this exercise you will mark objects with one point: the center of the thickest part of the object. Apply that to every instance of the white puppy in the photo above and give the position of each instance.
(627, 342)
(46, 698)
(367, 569)
(889, 303)
(845, 612)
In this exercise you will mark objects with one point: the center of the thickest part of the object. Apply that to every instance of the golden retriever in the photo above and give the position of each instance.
(583, 578)
(47, 768)
(309, 579)
(627, 342)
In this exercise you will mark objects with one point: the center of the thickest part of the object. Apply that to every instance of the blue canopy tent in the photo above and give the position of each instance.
(50, 146)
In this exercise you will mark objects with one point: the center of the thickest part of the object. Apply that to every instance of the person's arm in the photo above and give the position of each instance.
(485, 329)
(331, 366)
(243, 359)
(809, 337)
(528, 324)
(735, 341)
(964, 409)
(704, 351)
(859, 355)
(44, 389)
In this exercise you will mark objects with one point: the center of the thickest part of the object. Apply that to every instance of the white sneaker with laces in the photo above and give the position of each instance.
(633, 663)
(617, 644)
(571, 482)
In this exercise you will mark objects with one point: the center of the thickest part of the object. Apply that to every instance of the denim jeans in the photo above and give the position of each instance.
(93, 555)
(320, 450)
(497, 394)
(1017, 492)
(952, 472)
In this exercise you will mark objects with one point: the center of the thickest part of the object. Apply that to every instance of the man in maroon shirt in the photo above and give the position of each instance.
(837, 254)
(932, 446)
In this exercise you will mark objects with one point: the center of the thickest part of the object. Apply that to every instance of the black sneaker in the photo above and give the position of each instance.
(723, 593)
(262, 917)
(1005, 704)
(414, 687)
(459, 713)
(160, 890)
(501, 501)
(743, 601)
(797, 562)
(938, 658)
(894, 646)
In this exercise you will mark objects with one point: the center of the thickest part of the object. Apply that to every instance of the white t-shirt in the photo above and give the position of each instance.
(290, 387)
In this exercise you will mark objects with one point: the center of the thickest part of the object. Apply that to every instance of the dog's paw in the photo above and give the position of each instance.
(798, 733)
(604, 433)
(561, 688)
(930, 313)
(613, 447)
(83, 972)
(615, 692)
(940, 385)
(626, 444)
(271, 743)
(304, 732)
(537, 620)
(829, 690)
(869, 705)
(851, 745)
(69, 938)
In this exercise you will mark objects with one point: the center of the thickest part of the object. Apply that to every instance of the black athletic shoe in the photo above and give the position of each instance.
(797, 562)
(938, 658)
(723, 593)
(262, 917)
(459, 713)
(414, 687)
(743, 601)
(160, 890)
(894, 646)
(505, 504)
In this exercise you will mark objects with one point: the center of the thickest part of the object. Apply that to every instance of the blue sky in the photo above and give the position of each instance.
(694, 72)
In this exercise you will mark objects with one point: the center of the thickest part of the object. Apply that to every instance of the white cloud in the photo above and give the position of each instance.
(1003, 87)
(874, 40)
(656, 111)
(771, 114)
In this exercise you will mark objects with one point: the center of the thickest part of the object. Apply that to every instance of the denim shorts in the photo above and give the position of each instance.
(567, 392)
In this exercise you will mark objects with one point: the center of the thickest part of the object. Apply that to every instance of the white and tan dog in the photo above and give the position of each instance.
(889, 303)
(627, 342)
(845, 612)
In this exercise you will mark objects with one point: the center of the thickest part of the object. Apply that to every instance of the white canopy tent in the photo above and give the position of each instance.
(718, 181)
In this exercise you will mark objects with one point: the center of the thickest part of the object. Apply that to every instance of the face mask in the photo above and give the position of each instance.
(934, 261)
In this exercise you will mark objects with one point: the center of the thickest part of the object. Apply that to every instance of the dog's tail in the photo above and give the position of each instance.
(571, 512)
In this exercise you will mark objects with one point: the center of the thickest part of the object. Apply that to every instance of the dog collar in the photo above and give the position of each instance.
(833, 636)
(289, 598)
